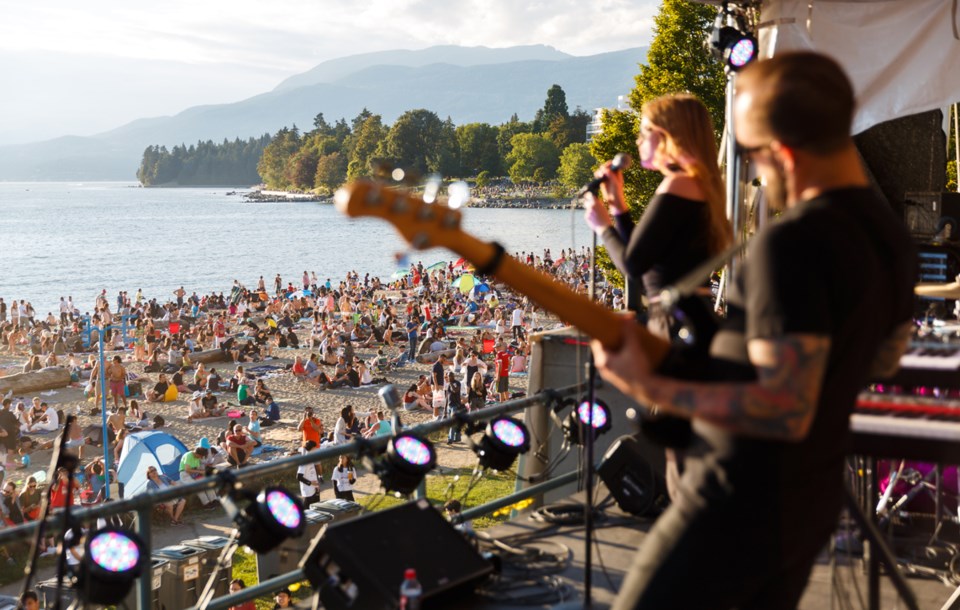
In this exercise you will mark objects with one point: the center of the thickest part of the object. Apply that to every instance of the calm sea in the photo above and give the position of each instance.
(59, 239)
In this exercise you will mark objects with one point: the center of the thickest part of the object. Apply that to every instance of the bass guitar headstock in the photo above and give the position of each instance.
(423, 225)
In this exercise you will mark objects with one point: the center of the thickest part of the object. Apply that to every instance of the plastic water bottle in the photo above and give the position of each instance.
(410, 591)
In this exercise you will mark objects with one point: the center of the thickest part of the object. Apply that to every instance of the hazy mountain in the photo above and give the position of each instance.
(334, 69)
(471, 84)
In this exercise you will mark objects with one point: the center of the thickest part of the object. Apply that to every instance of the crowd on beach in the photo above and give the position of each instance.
(467, 334)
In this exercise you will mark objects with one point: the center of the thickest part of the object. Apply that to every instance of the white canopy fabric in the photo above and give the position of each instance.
(903, 56)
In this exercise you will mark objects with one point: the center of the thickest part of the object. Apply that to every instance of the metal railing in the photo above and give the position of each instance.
(143, 504)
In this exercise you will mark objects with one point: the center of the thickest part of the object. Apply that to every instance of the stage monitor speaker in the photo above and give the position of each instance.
(922, 213)
(361, 562)
(634, 482)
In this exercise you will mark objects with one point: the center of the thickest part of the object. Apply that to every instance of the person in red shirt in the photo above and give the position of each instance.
(503, 372)
(238, 446)
(58, 498)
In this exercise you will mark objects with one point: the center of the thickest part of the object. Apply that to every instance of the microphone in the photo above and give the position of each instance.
(390, 397)
(620, 162)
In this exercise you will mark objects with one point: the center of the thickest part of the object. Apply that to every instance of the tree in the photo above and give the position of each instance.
(678, 60)
(570, 129)
(576, 166)
(505, 135)
(478, 149)
(301, 169)
(531, 152)
(273, 163)
(331, 171)
(363, 144)
(554, 106)
(414, 141)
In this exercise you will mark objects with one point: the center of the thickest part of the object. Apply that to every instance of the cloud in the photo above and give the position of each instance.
(62, 55)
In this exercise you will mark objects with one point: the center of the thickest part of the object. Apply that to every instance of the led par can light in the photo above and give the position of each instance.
(504, 439)
(271, 518)
(407, 461)
(598, 416)
(112, 561)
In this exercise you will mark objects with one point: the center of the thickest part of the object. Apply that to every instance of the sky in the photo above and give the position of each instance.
(80, 68)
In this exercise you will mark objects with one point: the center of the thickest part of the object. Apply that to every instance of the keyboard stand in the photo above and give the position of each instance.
(875, 550)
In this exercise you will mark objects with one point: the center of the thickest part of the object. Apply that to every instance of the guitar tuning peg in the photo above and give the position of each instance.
(458, 194)
(432, 188)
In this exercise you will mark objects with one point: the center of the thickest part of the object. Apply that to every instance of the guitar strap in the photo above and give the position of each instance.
(690, 283)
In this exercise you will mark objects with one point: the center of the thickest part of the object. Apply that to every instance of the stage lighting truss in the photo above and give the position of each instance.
(113, 559)
(268, 518)
(406, 462)
(732, 40)
(504, 439)
(576, 423)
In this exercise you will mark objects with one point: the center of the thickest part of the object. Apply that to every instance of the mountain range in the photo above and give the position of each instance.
(467, 84)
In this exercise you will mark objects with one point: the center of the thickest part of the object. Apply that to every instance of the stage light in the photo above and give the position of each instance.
(112, 561)
(407, 461)
(504, 439)
(272, 517)
(731, 40)
(599, 418)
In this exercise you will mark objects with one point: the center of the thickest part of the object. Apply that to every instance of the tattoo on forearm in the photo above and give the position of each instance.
(780, 404)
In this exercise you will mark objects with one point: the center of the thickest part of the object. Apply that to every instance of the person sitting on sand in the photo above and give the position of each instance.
(173, 508)
(159, 391)
(412, 400)
(48, 422)
(238, 445)
(213, 381)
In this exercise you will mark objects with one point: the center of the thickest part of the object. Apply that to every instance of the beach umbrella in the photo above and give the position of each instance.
(460, 262)
(437, 266)
(300, 293)
(399, 273)
(483, 288)
(464, 283)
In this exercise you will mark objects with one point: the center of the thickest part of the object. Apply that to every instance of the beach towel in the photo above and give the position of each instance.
(263, 369)
(265, 449)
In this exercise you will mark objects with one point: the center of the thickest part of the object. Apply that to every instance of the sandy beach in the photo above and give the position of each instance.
(291, 394)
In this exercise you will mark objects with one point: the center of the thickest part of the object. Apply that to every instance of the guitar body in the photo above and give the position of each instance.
(691, 325)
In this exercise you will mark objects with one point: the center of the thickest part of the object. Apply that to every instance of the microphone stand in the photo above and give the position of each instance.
(62, 458)
(588, 436)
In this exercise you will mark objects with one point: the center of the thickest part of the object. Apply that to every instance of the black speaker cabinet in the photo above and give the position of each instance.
(922, 212)
(635, 482)
(361, 562)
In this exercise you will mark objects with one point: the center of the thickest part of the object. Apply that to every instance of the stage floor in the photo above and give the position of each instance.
(619, 535)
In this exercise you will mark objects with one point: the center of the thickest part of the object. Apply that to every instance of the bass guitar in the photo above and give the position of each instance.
(427, 225)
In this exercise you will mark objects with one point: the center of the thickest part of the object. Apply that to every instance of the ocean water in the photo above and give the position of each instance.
(60, 239)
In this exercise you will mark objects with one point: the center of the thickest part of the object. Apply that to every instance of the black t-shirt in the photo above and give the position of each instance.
(842, 266)
(670, 240)
(438, 373)
(10, 423)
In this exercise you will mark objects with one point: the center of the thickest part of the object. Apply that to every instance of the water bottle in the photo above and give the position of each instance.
(410, 591)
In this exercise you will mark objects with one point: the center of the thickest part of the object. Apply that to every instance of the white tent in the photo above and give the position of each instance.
(903, 56)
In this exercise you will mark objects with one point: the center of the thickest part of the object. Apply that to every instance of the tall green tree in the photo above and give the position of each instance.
(478, 149)
(414, 141)
(554, 106)
(273, 163)
(533, 157)
(331, 171)
(571, 129)
(505, 134)
(576, 166)
(678, 61)
(366, 137)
